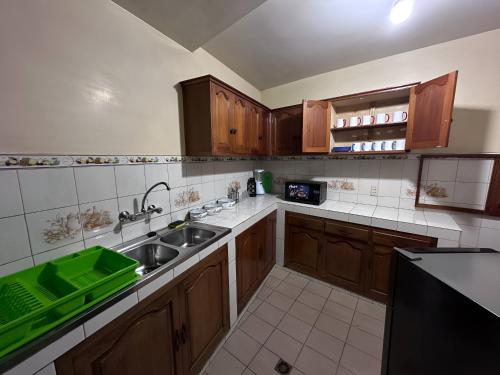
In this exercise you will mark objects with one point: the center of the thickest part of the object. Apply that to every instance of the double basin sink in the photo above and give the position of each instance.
(168, 248)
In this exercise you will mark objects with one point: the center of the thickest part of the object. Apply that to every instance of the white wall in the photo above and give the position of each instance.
(88, 77)
(476, 126)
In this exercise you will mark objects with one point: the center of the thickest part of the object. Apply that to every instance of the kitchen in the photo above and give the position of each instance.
(366, 129)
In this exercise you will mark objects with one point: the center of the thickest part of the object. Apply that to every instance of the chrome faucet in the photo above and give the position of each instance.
(125, 216)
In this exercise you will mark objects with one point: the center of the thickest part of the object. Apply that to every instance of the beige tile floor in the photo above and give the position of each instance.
(317, 328)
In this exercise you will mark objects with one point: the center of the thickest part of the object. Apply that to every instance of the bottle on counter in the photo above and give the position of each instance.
(251, 187)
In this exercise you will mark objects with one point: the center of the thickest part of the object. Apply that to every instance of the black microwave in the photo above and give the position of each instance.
(310, 192)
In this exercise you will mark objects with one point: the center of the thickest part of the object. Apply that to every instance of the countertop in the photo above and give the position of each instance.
(474, 275)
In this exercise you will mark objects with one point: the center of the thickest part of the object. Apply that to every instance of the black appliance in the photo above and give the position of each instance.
(251, 187)
(310, 192)
(443, 314)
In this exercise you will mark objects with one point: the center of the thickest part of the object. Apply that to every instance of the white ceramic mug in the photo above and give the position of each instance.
(356, 146)
(387, 145)
(341, 122)
(399, 144)
(368, 120)
(377, 145)
(399, 116)
(383, 118)
(366, 146)
(355, 121)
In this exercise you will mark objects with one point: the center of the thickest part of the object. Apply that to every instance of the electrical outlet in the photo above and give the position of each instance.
(374, 190)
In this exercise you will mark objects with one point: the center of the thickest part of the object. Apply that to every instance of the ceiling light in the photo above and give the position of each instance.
(401, 10)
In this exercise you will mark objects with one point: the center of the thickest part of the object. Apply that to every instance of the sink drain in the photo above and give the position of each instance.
(282, 367)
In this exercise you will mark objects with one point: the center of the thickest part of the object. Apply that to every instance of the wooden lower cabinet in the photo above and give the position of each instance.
(355, 257)
(255, 256)
(173, 331)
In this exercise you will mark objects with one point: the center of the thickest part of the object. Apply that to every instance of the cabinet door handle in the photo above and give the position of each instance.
(235, 130)
(184, 334)
(177, 341)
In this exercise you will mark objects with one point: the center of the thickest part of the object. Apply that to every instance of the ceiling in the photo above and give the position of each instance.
(278, 41)
(190, 23)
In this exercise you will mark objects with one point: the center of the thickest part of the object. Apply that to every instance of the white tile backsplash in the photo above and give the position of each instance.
(46, 189)
(130, 180)
(68, 209)
(95, 183)
(13, 239)
(10, 197)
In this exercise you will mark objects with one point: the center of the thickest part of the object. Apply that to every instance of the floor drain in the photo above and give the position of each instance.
(283, 367)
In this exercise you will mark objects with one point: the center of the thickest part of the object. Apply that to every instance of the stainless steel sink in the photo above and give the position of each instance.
(165, 249)
(187, 237)
(151, 256)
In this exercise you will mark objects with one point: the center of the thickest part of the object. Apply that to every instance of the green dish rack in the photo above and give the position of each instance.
(38, 299)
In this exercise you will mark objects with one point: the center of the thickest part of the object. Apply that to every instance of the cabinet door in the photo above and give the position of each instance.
(268, 247)
(247, 265)
(344, 261)
(256, 131)
(316, 121)
(287, 131)
(377, 283)
(239, 142)
(142, 341)
(430, 110)
(204, 310)
(222, 113)
(302, 249)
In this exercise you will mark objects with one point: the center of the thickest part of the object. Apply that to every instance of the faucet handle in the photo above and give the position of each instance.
(124, 216)
(153, 208)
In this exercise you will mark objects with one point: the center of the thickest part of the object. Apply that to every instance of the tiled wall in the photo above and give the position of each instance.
(392, 183)
(49, 212)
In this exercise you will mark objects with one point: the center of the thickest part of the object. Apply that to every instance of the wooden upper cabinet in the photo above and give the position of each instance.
(238, 131)
(316, 122)
(430, 111)
(256, 130)
(223, 110)
(286, 131)
(219, 120)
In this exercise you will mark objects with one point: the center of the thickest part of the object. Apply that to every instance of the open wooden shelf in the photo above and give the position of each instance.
(388, 152)
(369, 127)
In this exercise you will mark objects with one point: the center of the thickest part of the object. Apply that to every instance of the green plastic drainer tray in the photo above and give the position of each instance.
(35, 300)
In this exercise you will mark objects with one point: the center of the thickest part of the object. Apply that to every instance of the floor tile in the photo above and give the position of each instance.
(257, 328)
(284, 346)
(242, 346)
(345, 299)
(332, 326)
(325, 344)
(294, 327)
(359, 362)
(272, 282)
(280, 301)
(365, 342)
(304, 312)
(225, 363)
(269, 313)
(311, 362)
(312, 300)
(254, 304)
(371, 309)
(245, 315)
(296, 280)
(296, 372)
(279, 273)
(288, 290)
(338, 311)
(248, 372)
(264, 292)
(321, 290)
(263, 363)
(368, 324)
